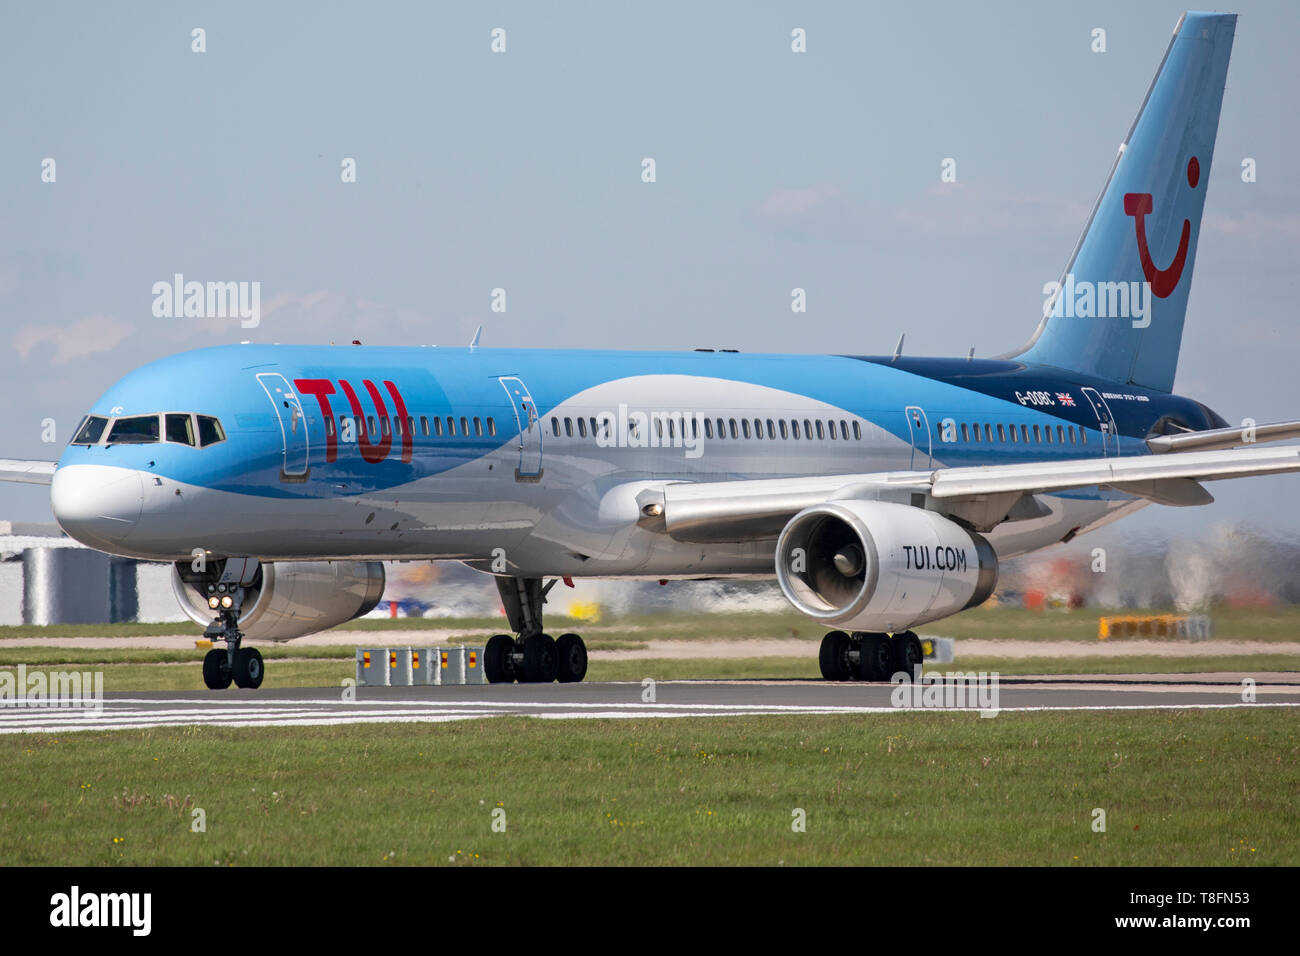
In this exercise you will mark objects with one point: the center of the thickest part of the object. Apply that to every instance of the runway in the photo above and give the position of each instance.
(305, 707)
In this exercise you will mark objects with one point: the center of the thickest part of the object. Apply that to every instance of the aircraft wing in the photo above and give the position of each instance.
(28, 472)
(983, 495)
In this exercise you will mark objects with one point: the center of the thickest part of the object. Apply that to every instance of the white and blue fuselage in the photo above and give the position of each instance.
(470, 454)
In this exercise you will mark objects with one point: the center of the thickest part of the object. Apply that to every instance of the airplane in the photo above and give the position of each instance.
(881, 492)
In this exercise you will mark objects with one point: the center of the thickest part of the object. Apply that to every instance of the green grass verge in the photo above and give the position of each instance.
(1265, 624)
(1178, 788)
(187, 674)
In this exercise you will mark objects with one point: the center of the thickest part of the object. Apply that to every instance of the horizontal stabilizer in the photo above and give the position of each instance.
(1223, 437)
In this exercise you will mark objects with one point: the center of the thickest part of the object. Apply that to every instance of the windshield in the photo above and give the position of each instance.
(91, 430)
(137, 430)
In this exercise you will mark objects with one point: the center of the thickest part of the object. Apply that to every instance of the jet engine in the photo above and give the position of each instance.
(280, 600)
(881, 567)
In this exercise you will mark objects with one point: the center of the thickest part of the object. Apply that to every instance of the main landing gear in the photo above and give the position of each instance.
(533, 657)
(243, 665)
(870, 657)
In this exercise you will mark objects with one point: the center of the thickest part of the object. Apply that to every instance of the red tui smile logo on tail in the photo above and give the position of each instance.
(1162, 281)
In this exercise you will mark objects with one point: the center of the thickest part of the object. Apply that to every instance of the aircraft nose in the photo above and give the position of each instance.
(97, 504)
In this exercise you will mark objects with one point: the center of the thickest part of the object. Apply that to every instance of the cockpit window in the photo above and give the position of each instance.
(180, 428)
(210, 431)
(91, 430)
(137, 430)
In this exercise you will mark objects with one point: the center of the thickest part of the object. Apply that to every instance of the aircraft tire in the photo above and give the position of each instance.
(571, 657)
(248, 669)
(877, 661)
(908, 653)
(496, 659)
(540, 659)
(833, 657)
(216, 670)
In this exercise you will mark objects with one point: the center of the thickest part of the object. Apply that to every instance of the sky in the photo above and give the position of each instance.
(522, 170)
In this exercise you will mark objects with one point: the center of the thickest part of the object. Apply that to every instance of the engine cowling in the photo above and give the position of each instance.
(878, 566)
(287, 599)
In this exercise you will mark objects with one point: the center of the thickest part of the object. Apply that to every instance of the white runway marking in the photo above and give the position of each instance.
(135, 714)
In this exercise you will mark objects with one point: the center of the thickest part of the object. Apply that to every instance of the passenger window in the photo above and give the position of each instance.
(1083, 436)
(91, 430)
(708, 428)
(451, 427)
(807, 430)
(857, 431)
(988, 433)
(329, 426)
(733, 428)
(424, 425)
(568, 427)
(758, 428)
(180, 430)
(1037, 436)
(464, 426)
(794, 428)
(582, 427)
(744, 426)
(1002, 434)
(1047, 433)
(384, 428)
(478, 427)
(555, 426)
(965, 432)
(492, 426)
(976, 430)
(210, 431)
(784, 434)
(1024, 434)
(821, 431)
(1012, 429)
(1060, 435)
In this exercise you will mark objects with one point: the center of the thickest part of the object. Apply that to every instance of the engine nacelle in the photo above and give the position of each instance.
(876, 566)
(287, 599)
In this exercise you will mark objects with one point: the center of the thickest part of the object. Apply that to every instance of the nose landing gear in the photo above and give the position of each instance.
(242, 665)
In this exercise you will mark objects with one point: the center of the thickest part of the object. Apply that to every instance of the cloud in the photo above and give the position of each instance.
(1256, 226)
(942, 213)
(90, 336)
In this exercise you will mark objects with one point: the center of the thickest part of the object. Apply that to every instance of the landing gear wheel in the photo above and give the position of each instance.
(908, 654)
(498, 665)
(571, 655)
(833, 658)
(877, 660)
(216, 670)
(248, 670)
(540, 661)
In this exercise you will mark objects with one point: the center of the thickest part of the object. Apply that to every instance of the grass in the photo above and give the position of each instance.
(182, 670)
(1178, 788)
(1262, 624)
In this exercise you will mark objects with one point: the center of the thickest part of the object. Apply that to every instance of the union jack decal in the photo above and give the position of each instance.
(1065, 399)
